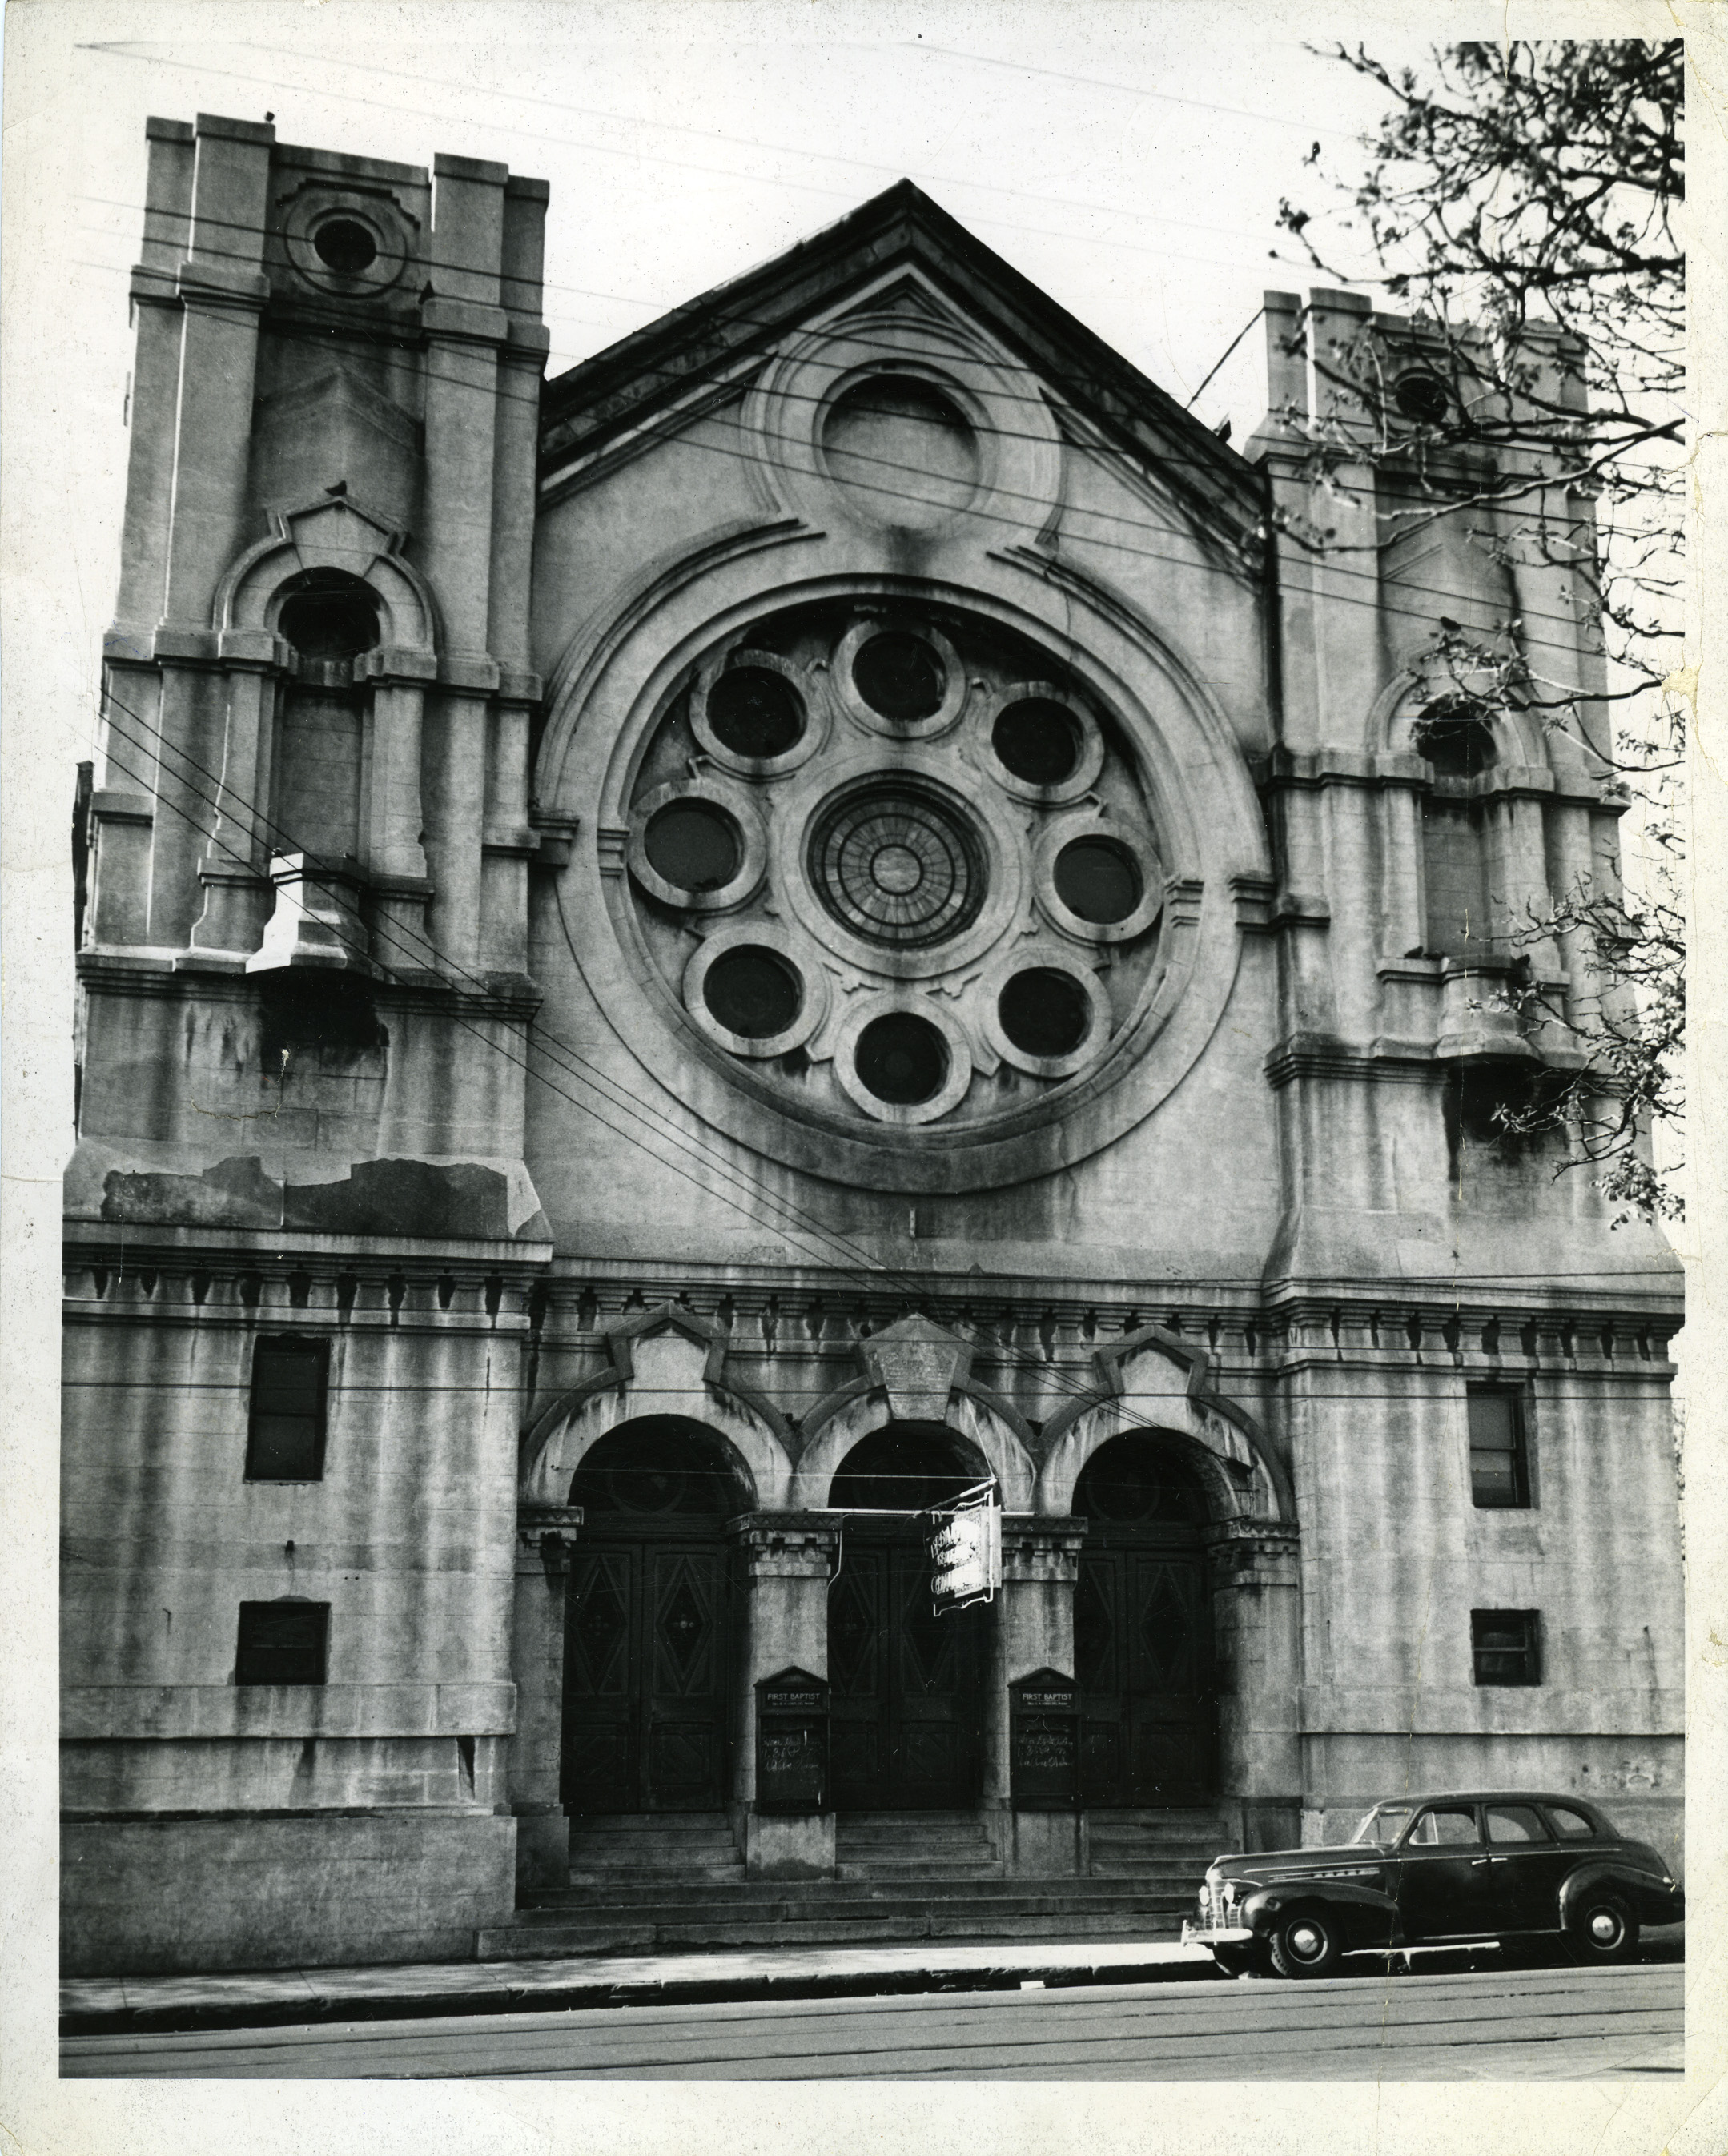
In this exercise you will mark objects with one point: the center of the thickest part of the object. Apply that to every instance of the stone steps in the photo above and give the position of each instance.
(906, 1845)
(607, 1849)
(837, 1912)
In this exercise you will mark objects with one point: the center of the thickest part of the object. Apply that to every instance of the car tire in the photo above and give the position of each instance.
(1600, 1927)
(1307, 1943)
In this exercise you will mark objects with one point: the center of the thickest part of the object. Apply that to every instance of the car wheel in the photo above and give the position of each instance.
(1306, 1944)
(1601, 1928)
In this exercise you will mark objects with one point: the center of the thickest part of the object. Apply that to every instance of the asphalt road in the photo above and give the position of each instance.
(1516, 2024)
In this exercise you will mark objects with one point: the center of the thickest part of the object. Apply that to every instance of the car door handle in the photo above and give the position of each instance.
(1476, 1862)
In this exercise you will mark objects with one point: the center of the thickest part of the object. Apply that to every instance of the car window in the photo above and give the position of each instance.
(1445, 1826)
(1385, 1823)
(1513, 1822)
(1571, 1825)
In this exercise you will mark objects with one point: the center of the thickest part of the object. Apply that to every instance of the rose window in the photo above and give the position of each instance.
(893, 865)
(901, 866)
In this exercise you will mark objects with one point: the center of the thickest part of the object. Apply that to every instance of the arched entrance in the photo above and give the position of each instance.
(908, 1713)
(649, 1645)
(1142, 1629)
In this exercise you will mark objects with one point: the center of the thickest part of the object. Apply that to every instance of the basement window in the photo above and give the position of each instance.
(284, 1430)
(1505, 1646)
(282, 1643)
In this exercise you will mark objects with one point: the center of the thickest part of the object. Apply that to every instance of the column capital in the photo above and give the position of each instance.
(786, 1545)
(1041, 1547)
(547, 1534)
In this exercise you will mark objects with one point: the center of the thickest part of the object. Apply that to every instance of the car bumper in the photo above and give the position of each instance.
(1216, 1935)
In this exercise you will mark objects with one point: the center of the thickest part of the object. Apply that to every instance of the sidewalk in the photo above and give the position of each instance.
(257, 1998)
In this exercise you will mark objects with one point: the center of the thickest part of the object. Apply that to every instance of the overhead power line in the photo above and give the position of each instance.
(1317, 555)
(878, 1278)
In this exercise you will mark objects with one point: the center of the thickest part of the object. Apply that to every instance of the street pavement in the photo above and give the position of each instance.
(1558, 2023)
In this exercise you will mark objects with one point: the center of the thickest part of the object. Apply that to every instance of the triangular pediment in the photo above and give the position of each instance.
(900, 253)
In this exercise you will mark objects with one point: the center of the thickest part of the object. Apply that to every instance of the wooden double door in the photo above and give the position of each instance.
(906, 1731)
(1143, 1664)
(647, 1656)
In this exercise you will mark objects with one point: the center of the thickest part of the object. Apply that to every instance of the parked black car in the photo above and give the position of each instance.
(1433, 1869)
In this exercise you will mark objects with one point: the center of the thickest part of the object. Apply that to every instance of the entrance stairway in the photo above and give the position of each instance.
(903, 1876)
(632, 1849)
(906, 1845)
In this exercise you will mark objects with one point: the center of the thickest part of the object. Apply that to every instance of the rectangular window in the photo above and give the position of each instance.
(1506, 1647)
(282, 1643)
(1499, 1458)
(285, 1432)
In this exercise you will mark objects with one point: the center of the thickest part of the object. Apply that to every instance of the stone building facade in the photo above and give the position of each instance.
(682, 962)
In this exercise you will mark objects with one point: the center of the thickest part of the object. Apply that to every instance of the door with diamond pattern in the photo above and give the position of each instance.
(645, 1678)
(1143, 1632)
(907, 1703)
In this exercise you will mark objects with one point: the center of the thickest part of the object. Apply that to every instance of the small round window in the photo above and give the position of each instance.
(902, 1059)
(1098, 880)
(343, 245)
(1037, 740)
(900, 676)
(755, 713)
(1044, 1013)
(693, 845)
(752, 992)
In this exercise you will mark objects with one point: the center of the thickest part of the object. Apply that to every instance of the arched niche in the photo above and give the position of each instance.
(334, 534)
(666, 1363)
(1153, 1380)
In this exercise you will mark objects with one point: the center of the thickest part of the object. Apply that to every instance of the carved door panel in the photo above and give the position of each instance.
(645, 1679)
(907, 1716)
(599, 1733)
(1144, 1665)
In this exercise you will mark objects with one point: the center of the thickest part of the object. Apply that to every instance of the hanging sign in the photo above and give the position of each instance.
(966, 1551)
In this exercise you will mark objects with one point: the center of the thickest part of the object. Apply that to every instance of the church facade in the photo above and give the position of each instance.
(684, 962)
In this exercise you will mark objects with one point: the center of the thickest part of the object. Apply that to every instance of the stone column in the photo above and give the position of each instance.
(395, 860)
(1256, 1622)
(233, 871)
(1034, 1631)
(156, 375)
(222, 291)
(787, 1562)
(546, 1535)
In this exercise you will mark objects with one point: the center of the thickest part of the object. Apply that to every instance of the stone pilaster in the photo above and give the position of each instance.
(1255, 1619)
(1034, 1631)
(787, 1562)
(546, 1535)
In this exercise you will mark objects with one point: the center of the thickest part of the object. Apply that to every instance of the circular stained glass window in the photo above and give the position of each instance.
(693, 845)
(900, 675)
(345, 245)
(755, 713)
(902, 1059)
(899, 866)
(1044, 1012)
(1036, 740)
(751, 992)
(1098, 879)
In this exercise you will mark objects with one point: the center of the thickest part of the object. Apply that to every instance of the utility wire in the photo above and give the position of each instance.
(440, 962)
(1317, 557)
(634, 157)
(912, 1285)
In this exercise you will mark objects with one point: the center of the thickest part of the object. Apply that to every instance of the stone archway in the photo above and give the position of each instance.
(1156, 1381)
